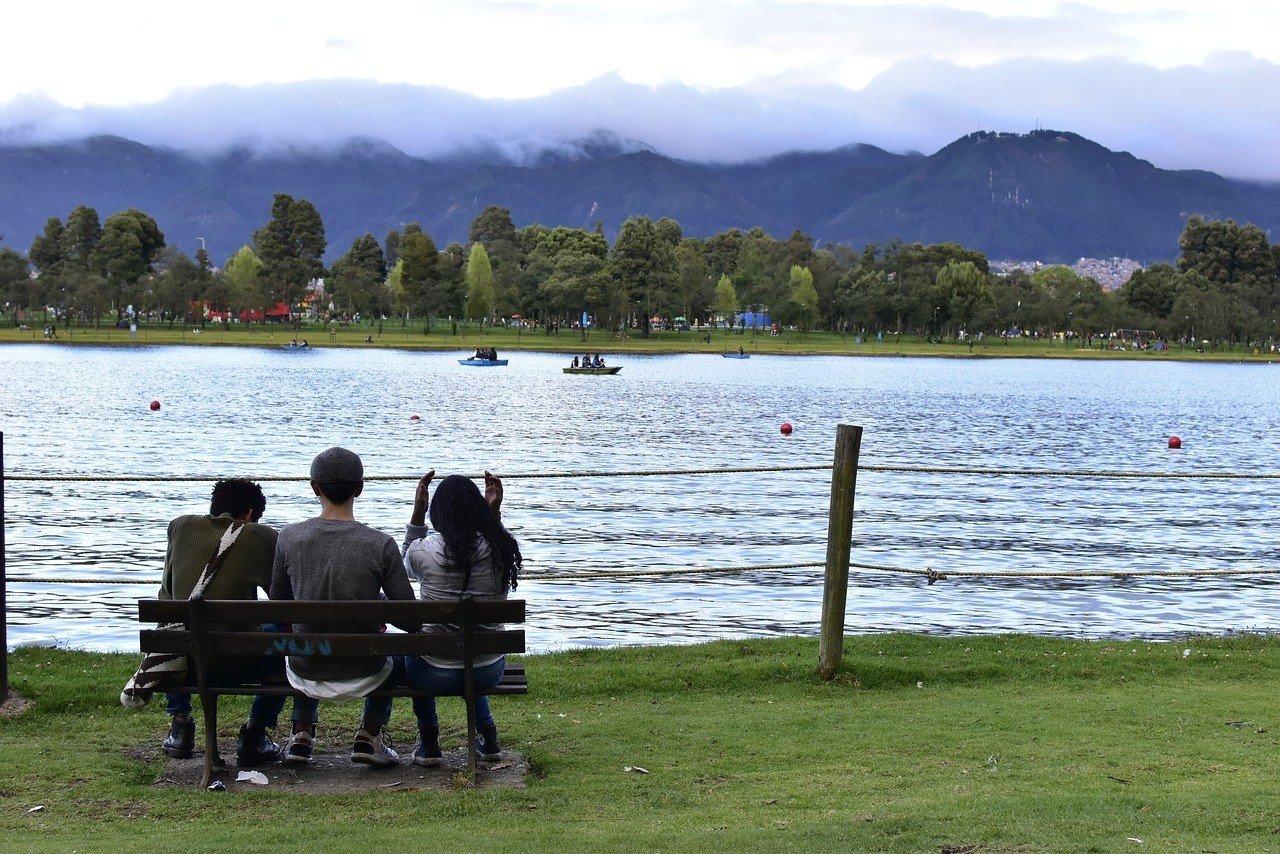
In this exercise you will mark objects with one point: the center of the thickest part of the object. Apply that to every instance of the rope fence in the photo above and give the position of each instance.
(929, 573)
(551, 475)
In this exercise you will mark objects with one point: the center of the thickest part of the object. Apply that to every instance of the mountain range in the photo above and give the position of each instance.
(1045, 195)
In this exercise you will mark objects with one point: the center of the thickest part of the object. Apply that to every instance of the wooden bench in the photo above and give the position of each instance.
(203, 637)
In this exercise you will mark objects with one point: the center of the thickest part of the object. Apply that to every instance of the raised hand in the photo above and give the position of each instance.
(493, 492)
(421, 499)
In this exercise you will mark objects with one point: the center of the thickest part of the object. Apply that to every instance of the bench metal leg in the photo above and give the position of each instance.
(209, 702)
(471, 736)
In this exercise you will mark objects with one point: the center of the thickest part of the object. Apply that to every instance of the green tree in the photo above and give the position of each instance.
(397, 296)
(803, 304)
(291, 247)
(694, 282)
(16, 285)
(644, 266)
(420, 275)
(479, 283)
(177, 284)
(726, 304)
(1151, 291)
(366, 255)
(243, 274)
(966, 291)
(46, 253)
(127, 248)
(80, 239)
(494, 228)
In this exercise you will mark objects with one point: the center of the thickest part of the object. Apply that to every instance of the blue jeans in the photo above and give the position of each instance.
(448, 680)
(264, 711)
(377, 710)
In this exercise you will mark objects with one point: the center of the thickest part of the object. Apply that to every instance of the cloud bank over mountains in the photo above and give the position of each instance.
(1222, 115)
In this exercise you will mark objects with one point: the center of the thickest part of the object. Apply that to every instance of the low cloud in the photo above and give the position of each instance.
(1222, 115)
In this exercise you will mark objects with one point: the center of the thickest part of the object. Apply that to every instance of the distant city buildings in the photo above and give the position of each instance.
(1111, 273)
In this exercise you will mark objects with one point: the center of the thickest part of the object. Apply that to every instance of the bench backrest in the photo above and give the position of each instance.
(205, 633)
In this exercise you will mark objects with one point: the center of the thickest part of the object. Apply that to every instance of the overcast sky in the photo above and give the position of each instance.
(1183, 84)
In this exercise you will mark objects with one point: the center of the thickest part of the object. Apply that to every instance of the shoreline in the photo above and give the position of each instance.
(1108, 742)
(662, 344)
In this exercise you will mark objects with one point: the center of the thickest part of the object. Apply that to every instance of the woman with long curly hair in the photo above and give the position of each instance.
(469, 552)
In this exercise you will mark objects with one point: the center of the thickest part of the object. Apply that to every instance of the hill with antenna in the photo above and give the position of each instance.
(1047, 195)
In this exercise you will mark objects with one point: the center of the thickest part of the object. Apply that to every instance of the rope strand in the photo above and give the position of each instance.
(552, 475)
(926, 572)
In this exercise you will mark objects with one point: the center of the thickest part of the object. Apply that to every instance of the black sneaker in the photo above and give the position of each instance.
(181, 739)
(427, 752)
(255, 747)
(487, 744)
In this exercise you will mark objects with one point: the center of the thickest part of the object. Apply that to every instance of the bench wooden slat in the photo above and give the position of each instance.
(512, 683)
(373, 611)
(325, 645)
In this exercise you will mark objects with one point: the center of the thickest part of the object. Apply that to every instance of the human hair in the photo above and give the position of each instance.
(236, 496)
(460, 515)
(339, 491)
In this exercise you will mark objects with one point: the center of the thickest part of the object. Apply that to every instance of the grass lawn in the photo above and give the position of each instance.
(467, 339)
(1003, 743)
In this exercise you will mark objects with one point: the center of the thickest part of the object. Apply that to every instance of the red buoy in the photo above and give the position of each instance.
(155, 405)
(786, 428)
(1175, 442)
(415, 417)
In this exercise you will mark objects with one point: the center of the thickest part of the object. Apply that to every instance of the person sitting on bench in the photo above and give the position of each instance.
(332, 556)
(245, 569)
(469, 553)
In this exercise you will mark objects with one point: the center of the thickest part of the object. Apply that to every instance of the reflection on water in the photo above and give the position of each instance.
(72, 410)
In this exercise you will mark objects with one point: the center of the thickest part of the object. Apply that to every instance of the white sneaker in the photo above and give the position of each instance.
(298, 748)
(373, 750)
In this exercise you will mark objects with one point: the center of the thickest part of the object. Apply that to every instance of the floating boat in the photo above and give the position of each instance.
(592, 370)
(483, 363)
(296, 347)
(736, 355)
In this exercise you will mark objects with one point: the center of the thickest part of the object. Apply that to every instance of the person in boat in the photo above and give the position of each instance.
(599, 362)
(293, 343)
(493, 354)
(479, 356)
(741, 352)
(304, 343)
(586, 360)
(574, 364)
(469, 552)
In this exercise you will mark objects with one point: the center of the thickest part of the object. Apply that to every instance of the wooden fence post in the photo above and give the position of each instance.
(835, 587)
(4, 612)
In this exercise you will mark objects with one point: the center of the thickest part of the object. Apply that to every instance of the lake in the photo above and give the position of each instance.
(259, 412)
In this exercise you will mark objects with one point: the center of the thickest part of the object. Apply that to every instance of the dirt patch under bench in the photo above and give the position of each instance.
(331, 772)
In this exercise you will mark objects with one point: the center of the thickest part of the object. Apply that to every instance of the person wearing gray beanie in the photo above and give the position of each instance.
(333, 557)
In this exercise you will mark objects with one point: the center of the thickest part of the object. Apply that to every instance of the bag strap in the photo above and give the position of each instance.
(229, 537)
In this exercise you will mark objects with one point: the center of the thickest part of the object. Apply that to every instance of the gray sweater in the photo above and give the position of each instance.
(328, 559)
(424, 557)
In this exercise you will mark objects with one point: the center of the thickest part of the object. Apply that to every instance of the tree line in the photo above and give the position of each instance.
(1223, 285)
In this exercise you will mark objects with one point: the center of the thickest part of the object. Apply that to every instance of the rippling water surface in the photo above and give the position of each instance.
(257, 412)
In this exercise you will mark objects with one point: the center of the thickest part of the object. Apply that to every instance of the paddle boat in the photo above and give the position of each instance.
(612, 370)
(736, 355)
(483, 363)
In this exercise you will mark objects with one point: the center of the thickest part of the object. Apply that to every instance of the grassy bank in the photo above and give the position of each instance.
(505, 340)
(1006, 743)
